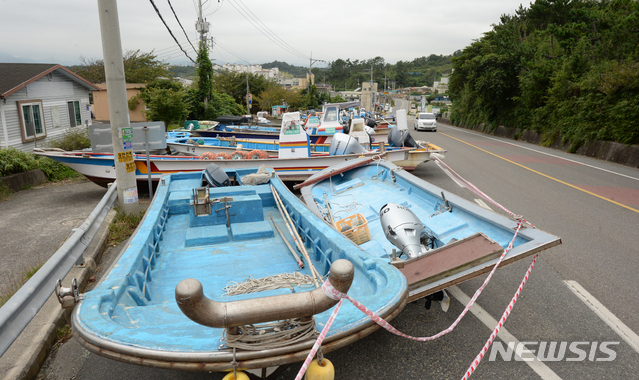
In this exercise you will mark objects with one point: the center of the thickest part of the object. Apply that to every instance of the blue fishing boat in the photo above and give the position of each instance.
(435, 238)
(210, 278)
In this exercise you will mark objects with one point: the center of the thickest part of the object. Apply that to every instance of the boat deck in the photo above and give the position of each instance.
(135, 305)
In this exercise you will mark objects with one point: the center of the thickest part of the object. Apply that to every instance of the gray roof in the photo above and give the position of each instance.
(14, 76)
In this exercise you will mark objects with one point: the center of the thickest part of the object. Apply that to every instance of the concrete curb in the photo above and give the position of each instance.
(24, 358)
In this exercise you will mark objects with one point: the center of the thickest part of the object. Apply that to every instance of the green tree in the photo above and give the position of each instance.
(166, 100)
(205, 103)
(234, 84)
(278, 95)
(564, 68)
(139, 67)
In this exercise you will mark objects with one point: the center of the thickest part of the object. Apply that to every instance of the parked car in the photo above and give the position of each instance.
(425, 121)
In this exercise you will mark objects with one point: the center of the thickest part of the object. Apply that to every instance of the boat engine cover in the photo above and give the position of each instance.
(404, 229)
(401, 138)
(342, 143)
(216, 177)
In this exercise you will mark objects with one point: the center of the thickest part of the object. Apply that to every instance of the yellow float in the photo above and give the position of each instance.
(320, 371)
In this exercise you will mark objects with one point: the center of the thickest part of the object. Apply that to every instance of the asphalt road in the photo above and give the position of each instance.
(592, 205)
(24, 242)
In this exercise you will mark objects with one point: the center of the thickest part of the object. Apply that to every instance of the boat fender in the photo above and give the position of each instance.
(320, 371)
(240, 376)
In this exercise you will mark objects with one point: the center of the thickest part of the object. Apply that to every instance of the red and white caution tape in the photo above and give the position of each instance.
(480, 193)
(509, 308)
(335, 294)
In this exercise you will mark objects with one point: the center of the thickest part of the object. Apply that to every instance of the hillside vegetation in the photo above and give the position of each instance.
(561, 67)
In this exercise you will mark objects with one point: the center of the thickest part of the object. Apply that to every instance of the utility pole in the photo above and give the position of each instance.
(201, 26)
(248, 96)
(121, 130)
(310, 73)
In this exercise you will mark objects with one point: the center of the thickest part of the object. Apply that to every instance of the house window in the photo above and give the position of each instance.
(31, 120)
(75, 118)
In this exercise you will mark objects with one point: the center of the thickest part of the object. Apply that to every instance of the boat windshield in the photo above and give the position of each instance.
(331, 114)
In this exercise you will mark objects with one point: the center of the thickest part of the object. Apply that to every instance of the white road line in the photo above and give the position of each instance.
(539, 367)
(611, 320)
(483, 204)
(548, 154)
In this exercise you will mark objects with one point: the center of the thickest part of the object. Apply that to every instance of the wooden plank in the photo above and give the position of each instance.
(450, 259)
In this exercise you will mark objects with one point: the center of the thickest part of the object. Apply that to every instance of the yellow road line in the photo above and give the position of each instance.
(544, 175)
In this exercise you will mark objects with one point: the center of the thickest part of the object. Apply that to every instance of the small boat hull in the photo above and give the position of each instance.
(100, 168)
(466, 239)
(132, 315)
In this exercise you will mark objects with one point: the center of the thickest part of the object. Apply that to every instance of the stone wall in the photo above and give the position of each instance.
(16, 182)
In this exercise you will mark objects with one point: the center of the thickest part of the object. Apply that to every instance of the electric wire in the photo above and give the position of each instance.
(179, 23)
(220, 3)
(232, 52)
(261, 29)
(299, 54)
(169, 29)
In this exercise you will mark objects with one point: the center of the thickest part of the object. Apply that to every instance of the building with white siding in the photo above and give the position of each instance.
(40, 102)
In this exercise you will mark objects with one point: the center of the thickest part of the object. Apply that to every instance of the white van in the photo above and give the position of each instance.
(425, 121)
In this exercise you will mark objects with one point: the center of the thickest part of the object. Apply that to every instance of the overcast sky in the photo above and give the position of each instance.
(49, 31)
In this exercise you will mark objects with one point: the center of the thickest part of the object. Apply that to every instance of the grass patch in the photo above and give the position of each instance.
(122, 227)
(62, 334)
(5, 192)
(56, 171)
(11, 285)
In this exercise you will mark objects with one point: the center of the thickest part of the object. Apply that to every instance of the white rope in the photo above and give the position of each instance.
(278, 281)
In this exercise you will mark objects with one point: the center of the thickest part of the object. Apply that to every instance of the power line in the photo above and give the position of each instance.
(298, 53)
(217, 42)
(267, 33)
(220, 3)
(178, 20)
(170, 32)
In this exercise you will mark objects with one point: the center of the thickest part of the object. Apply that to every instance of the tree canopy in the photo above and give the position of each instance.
(565, 68)
(139, 67)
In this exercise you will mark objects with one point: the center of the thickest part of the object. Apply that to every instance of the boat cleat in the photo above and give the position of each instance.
(68, 297)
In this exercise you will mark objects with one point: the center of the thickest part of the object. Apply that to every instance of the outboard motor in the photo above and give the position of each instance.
(401, 138)
(216, 177)
(402, 228)
(344, 144)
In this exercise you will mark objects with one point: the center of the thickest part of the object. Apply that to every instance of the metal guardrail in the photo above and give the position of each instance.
(16, 314)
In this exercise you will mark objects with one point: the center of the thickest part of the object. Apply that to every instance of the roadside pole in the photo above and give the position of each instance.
(121, 130)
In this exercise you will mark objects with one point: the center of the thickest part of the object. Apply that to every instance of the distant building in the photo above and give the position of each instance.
(367, 96)
(101, 102)
(40, 102)
(297, 83)
(272, 73)
(442, 85)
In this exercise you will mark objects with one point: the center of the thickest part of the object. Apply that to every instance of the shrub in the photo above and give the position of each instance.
(74, 139)
(14, 161)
